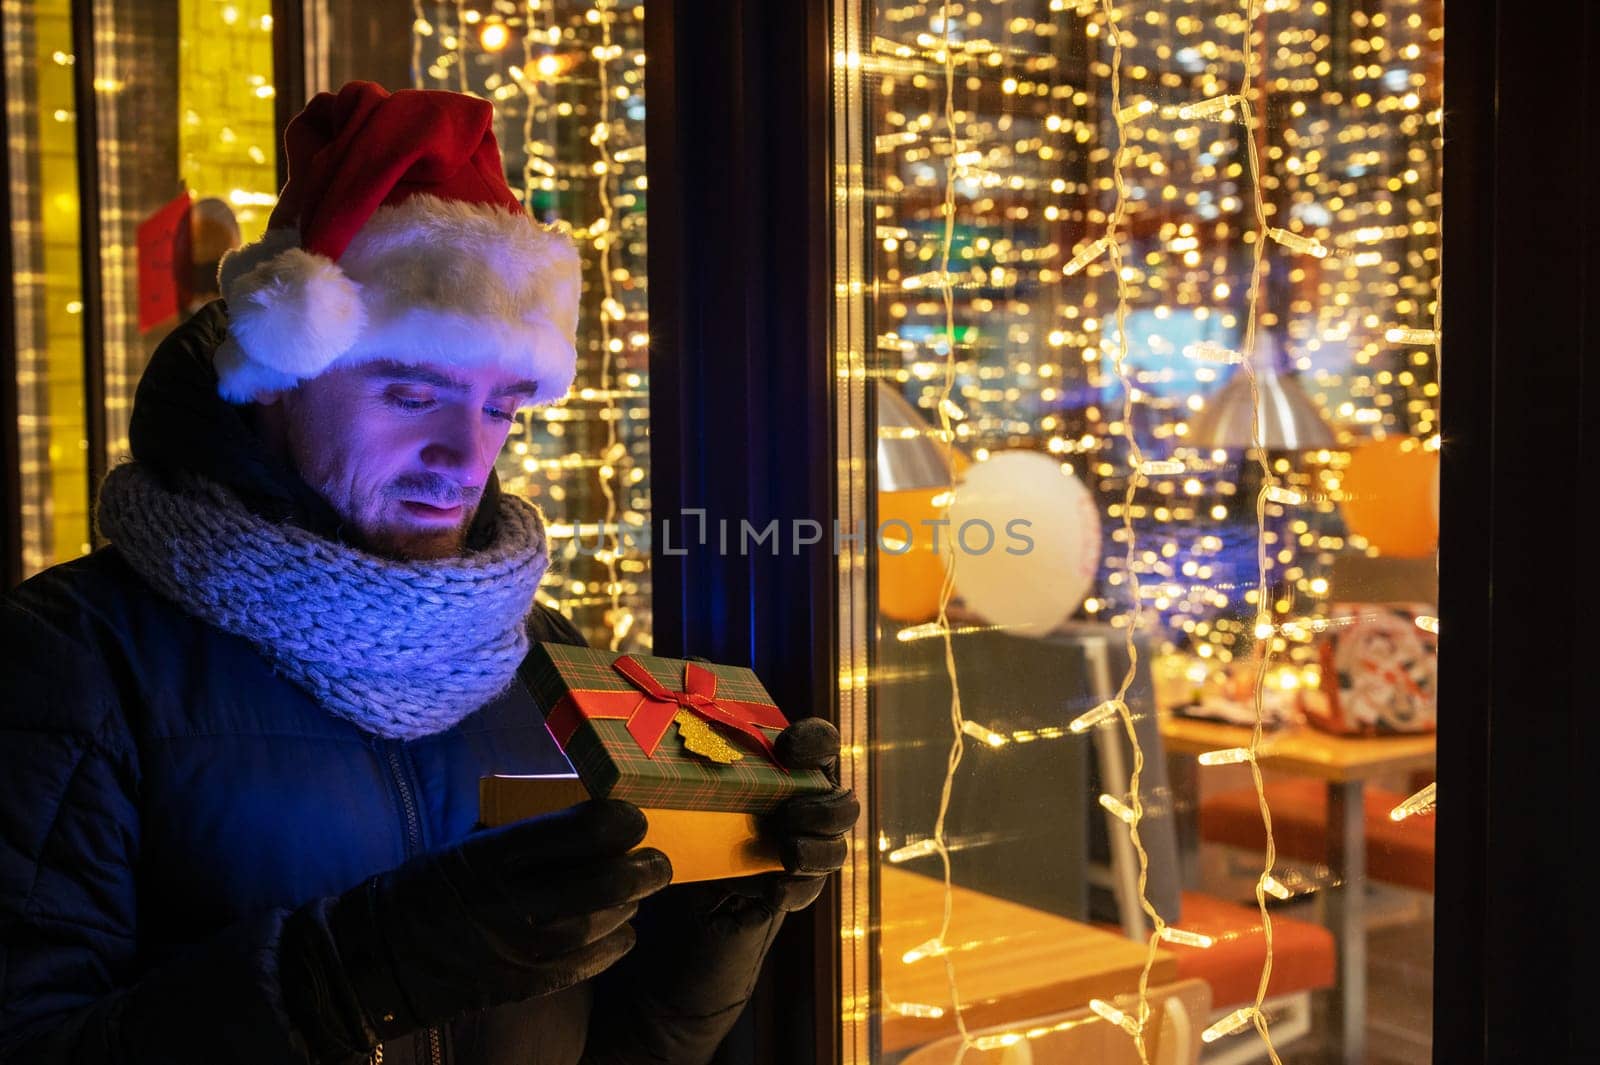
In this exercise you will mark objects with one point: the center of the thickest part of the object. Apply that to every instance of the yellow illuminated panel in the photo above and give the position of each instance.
(62, 498)
(227, 146)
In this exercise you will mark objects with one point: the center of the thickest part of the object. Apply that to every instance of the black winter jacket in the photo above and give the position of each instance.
(166, 800)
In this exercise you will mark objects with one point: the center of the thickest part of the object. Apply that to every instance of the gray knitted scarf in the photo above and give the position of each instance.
(401, 649)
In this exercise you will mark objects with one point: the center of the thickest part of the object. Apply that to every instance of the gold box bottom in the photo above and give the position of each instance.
(701, 844)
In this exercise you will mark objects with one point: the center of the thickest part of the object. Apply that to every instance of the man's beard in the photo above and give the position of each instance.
(404, 542)
(416, 545)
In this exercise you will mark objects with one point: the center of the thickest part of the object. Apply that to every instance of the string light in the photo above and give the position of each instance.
(1275, 887)
(927, 949)
(1236, 1021)
(1134, 112)
(1184, 938)
(1248, 87)
(1227, 756)
(917, 1009)
(601, 139)
(920, 849)
(1106, 1011)
(1105, 711)
(1298, 242)
(1211, 351)
(1423, 802)
(984, 734)
(1091, 251)
(947, 584)
(1428, 337)
(1277, 493)
(1217, 107)
(1116, 808)
(1146, 467)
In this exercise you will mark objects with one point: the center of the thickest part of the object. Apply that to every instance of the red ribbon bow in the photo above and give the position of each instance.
(650, 711)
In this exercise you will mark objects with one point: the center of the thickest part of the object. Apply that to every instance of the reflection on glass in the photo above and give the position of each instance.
(1160, 282)
(184, 168)
(186, 165)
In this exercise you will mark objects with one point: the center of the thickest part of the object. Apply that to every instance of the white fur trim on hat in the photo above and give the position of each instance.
(427, 280)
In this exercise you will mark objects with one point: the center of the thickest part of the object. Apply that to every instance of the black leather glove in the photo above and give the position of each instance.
(507, 914)
(810, 831)
(701, 944)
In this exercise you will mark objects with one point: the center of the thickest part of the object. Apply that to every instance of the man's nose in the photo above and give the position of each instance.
(460, 448)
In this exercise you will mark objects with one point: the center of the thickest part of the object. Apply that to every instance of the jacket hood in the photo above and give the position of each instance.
(181, 424)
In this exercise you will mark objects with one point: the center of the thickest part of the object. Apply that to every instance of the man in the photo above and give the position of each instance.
(240, 747)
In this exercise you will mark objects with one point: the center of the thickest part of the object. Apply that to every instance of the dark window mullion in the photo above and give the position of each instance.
(85, 106)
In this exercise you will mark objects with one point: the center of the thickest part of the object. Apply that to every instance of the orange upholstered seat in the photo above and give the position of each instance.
(1398, 852)
(1302, 953)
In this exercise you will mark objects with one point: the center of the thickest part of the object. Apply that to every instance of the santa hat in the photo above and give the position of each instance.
(397, 237)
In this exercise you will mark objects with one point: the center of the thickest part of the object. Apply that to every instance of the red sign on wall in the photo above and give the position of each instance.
(164, 256)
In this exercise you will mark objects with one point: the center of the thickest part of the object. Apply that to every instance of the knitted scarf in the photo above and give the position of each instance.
(401, 649)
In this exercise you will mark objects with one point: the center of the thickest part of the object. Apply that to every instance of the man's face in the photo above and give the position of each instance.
(402, 451)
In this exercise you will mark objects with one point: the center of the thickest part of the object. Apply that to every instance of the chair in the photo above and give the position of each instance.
(1303, 956)
(1303, 953)
(1398, 852)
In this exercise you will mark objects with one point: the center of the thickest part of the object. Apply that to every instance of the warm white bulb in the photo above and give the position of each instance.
(494, 36)
(1090, 718)
(1228, 756)
(1233, 1022)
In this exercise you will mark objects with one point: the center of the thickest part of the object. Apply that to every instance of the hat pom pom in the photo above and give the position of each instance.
(293, 314)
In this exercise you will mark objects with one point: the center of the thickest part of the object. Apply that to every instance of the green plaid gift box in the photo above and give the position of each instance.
(613, 716)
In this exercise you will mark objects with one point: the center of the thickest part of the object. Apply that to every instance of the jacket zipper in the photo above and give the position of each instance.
(408, 801)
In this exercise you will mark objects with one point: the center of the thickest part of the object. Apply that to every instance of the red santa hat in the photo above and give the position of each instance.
(397, 237)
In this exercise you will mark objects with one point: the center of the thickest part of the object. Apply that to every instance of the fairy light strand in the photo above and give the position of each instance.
(1136, 460)
(608, 471)
(947, 583)
(1247, 110)
(420, 28)
(461, 45)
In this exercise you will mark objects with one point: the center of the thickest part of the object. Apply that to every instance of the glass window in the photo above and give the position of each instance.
(1145, 300)
(567, 83)
(47, 284)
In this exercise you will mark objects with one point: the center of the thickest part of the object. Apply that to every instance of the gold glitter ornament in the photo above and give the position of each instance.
(700, 738)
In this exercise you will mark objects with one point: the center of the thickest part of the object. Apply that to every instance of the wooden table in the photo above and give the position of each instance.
(1012, 962)
(1345, 764)
(1305, 751)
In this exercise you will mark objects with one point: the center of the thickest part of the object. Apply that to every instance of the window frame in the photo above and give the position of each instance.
(740, 128)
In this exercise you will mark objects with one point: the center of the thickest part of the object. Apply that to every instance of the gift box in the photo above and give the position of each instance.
(688, 742)
(1379, 666)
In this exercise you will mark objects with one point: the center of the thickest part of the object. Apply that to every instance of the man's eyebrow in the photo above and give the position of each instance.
(400, 371)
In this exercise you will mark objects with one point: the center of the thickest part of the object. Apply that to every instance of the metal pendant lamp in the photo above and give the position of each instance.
(908, 455)
(1289, 419)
